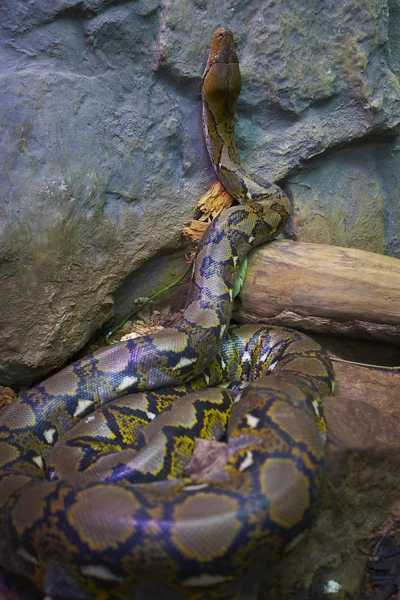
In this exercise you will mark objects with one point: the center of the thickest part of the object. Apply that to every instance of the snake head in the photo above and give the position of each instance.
(222, 81)
(222, 48)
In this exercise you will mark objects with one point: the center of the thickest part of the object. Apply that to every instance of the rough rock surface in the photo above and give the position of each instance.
(350, 198)
(102, 152)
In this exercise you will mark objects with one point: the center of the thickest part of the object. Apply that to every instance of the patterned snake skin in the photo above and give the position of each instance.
(94, 502)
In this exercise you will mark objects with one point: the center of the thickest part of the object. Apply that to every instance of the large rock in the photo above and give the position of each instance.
(102, 152)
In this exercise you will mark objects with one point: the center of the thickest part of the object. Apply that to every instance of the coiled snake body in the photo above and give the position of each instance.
(82, 511)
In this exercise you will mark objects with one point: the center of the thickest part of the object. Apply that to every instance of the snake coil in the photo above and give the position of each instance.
(93, 503)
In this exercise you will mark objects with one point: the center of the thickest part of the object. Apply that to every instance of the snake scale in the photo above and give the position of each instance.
(94, 502)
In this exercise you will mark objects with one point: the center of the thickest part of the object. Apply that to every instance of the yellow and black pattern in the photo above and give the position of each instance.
(93, 504)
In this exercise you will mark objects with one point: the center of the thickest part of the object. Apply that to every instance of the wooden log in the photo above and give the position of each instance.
(322, 288)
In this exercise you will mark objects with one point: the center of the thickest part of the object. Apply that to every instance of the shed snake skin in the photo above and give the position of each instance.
(94, 503)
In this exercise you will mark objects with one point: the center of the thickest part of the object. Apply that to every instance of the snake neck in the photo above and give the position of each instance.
(220, 91)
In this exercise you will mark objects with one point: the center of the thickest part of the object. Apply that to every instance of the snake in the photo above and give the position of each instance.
(95, 497)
